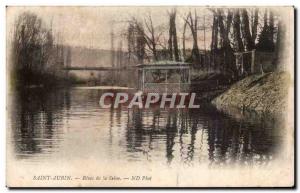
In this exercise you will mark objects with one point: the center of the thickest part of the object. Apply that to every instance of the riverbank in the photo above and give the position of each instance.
(261, 93)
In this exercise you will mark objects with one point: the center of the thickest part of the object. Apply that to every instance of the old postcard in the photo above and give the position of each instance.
(150, 96)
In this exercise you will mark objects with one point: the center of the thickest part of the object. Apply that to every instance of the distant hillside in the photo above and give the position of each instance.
(81, 56)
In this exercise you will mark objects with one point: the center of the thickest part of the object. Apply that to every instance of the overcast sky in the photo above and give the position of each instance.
(91, 26)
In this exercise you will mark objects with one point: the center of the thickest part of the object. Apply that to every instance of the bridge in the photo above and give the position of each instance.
(86, 68)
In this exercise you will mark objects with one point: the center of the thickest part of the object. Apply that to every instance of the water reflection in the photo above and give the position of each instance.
(205, 130)
(36, 120)
(68, 123)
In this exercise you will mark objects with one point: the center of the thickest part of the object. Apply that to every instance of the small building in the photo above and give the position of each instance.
(164, 77)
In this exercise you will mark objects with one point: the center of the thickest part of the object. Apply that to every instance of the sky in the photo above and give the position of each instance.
(91, 26)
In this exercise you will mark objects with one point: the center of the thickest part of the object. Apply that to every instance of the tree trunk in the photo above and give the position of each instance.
(183, 41)
(271, 26)
(170, 41)
(225, 43)
(254, 26)
(246, 31)
(237, 31)
(193, 27)
(173, 44)
(214, 40)
(214, 44)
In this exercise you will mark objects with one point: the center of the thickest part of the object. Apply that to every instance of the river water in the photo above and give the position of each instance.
(65, 124)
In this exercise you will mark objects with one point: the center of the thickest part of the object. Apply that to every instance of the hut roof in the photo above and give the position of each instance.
(165, 63)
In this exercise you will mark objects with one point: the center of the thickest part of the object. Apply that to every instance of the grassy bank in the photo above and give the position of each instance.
(262, 93)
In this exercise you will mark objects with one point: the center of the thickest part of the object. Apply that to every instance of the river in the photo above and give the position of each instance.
(64, 124)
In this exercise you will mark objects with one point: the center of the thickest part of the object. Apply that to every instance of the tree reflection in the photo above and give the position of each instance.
(188, 136)
(36, 116)
(229, 140)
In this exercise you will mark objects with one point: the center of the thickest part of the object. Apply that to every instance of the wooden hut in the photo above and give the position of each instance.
(164, 77)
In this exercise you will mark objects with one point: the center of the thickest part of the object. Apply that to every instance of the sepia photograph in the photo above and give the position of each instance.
(150, 96)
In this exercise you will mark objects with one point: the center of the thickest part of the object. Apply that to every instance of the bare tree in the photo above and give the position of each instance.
(192, 22)
(184, 39)
(152, 39)
(172, 42)
(136, 41)
(224, 34)
(32, 48)
(249, 40)
(238, 42)
(214, 38)
(214, 43)
(254, 25)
